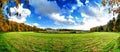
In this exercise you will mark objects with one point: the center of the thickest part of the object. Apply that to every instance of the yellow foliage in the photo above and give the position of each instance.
(4, 2)
(17, 2)
(114, 29)
(104, 3)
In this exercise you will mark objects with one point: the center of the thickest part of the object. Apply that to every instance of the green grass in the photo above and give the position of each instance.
(44, 42)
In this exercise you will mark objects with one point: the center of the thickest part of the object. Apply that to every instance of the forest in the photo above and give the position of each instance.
(11, 26)
(112, 26)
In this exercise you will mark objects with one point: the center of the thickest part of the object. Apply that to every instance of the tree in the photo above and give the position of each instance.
(111, 3)
(17, 3)
(112, 26)
(118, 23)
(10, 26)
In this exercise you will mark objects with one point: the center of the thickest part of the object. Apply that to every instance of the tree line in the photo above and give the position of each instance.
(112, 26)
(11, 26)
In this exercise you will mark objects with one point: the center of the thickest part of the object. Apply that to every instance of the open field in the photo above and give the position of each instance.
(44, 42)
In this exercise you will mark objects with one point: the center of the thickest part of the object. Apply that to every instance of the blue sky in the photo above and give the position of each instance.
(70, 14)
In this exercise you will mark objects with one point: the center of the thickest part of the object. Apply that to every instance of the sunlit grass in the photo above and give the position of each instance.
(44, 42)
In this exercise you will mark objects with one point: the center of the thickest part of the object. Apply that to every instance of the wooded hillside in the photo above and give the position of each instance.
(11, 26)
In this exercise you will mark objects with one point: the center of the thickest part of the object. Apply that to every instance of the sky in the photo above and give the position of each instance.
(69, 14)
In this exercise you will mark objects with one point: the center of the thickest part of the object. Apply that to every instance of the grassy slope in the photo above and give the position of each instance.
(36, 42)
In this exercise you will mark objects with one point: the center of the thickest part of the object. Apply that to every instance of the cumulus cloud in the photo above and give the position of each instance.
(52, 10)
(36, 24)
(19, 14)
(45, 7)
(99, 17)
(33, 24)
(61, 19)
(87, 1)
(49, 9)
(28, 24)
(91, 16)
(79, 3)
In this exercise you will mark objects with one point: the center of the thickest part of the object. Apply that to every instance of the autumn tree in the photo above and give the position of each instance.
(112, 3)
(11, 26)
(118, 23)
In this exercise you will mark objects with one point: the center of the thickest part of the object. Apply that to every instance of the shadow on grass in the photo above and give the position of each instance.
(3, 43)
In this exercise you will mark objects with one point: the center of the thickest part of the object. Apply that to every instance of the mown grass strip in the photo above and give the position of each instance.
(110, 46)
(117, 46)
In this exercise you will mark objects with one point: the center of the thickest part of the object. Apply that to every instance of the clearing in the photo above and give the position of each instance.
(45, 42)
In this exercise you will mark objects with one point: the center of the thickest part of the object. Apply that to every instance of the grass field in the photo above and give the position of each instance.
(44, 42)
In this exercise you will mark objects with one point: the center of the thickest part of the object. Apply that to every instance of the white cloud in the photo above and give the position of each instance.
(100, 17)
(45, 7)
(39, 17)
(61, 19)
(28, 24)
(36, 24)
(74, 7)
(92, 16)
(52, 10)
(19, 14)
(58, 17)
(79, 3)
(70, 21)
(70, 17)
(87, 1)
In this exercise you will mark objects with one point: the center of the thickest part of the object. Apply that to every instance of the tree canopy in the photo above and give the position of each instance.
(112, 3)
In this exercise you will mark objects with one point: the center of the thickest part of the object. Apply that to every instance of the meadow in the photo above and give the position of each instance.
(46, 42)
